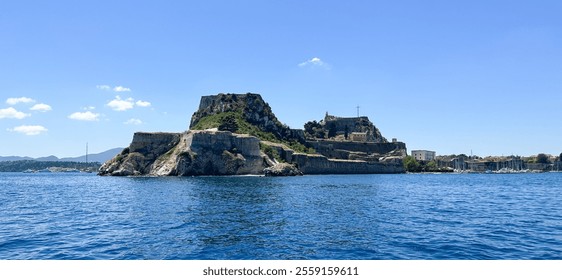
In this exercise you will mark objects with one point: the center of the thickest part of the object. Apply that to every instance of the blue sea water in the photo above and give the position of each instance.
(406, 216)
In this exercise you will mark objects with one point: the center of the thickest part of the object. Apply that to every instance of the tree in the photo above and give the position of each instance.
(310, 126)
(332, 130)
(542, 158)
(319, 133)
(411, 164)
(431, 166)
(229, 123)
(314, 129)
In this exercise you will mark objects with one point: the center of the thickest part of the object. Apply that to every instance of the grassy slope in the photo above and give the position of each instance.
(244, 127)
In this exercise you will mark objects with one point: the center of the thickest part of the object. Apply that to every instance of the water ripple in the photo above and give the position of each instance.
(80, 216)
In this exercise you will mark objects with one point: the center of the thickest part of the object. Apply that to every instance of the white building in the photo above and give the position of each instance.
(423, 155)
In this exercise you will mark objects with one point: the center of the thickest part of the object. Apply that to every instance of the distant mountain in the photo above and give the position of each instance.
(49, 158)
(99, 157)
(14, 158)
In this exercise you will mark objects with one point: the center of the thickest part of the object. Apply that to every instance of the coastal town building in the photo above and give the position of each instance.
(423, 155)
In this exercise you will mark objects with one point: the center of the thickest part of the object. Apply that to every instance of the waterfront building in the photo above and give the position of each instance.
(423, 155)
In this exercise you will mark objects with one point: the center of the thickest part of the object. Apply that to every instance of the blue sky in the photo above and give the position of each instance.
(448, 76)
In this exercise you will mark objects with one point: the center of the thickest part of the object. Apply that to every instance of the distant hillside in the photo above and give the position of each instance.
(99, 157)
(14, 158)
(53, 166)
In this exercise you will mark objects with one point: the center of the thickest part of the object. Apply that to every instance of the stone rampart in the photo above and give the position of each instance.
(315, 164)
(153, 144)
(206, 101)
(339, 149)
(225, 140)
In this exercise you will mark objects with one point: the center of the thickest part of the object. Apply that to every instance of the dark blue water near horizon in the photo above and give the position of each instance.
(406, 216)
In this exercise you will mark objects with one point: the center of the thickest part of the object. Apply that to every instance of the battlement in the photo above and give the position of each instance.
(348, 125)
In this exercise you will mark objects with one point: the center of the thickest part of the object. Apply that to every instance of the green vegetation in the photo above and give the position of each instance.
(414, 166)
(313, 129)
(213, 121)
(332, 132)
(168, 154)
(542, 158)
(235, 122)
(228, 123)
(411, 164)
(271, 152)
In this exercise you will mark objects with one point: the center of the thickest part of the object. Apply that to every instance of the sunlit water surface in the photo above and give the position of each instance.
(407, 216)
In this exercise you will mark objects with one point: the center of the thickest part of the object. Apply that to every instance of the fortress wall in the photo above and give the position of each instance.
(333, 148)
(224, 140)
(153, 143)
(310, 164)
(223, 153)
(206, 101)
(247, 145)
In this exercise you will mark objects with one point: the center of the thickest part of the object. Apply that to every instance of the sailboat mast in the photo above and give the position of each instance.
(86, 152)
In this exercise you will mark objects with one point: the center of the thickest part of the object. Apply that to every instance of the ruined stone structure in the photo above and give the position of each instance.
(213, 152)
(367, 151)
(347, 126)
(358, 137)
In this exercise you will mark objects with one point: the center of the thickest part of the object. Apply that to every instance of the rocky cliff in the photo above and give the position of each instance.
(250, 113)
(188, 154)
(238, 134)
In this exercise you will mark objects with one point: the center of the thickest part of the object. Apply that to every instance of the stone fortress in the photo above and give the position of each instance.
(251, 140)
(360, 127)
(354, 138)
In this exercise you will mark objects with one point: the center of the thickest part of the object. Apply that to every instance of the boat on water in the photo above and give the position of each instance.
(506, 170)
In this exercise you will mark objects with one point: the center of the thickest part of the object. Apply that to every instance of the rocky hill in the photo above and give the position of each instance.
(333, 127)
(245, 114)
(237, 134)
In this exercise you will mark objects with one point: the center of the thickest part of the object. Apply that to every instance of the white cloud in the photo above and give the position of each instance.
(121, 89)
(89, 108)
(29, 129)
(314, 62)
(116, 89)
(119, 104)
(133, 122)
(16, 100)
(84, 116)
(141, 103)
(41, 107)
(11, 113)
(103, 87)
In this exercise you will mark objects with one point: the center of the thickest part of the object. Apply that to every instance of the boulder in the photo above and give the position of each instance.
(282, 169)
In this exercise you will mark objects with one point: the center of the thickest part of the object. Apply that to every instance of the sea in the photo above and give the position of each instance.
(64, 216)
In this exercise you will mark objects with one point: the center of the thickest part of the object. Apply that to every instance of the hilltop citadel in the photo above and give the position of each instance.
(238, 134)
